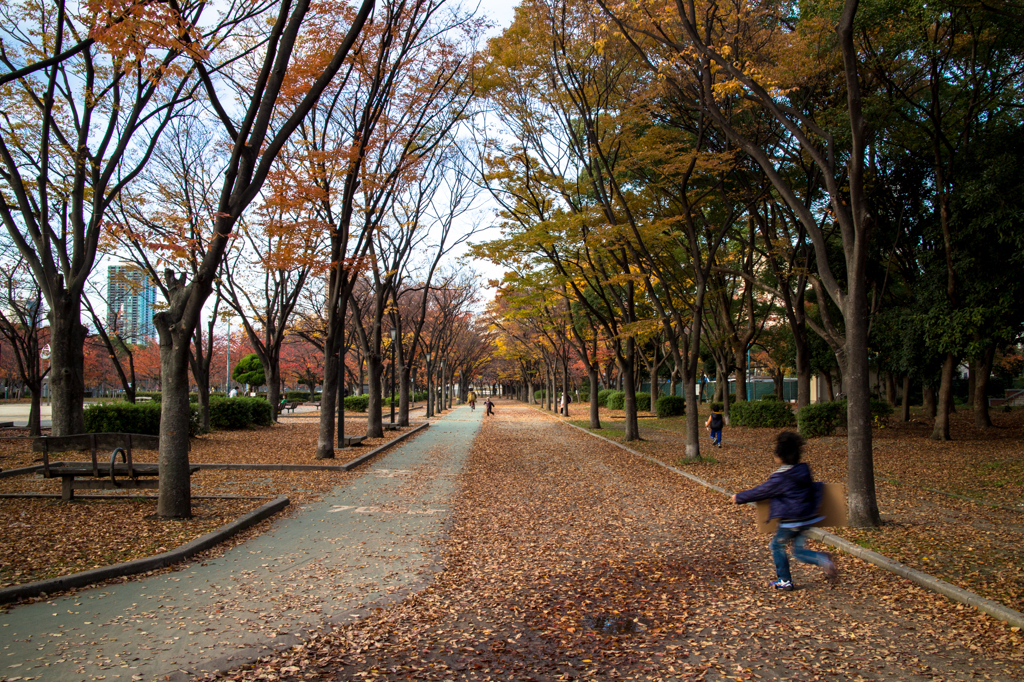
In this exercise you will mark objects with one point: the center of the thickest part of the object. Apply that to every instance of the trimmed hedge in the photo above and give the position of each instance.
(822, 419)
(670, 406)
(357, 403)
(302, 396)
(239, 413)
(121, 417)
(773, 414)
(616, 400)
(602, 396)
(769, 396)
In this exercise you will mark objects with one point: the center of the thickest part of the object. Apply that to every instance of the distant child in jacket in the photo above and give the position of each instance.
(715, 423)
(795, 500)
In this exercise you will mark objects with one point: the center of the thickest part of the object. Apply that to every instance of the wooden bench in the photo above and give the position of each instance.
(289, 406)
(314, 403)
(107, 476)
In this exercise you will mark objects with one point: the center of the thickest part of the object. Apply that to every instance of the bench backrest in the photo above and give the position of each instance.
(102, 441)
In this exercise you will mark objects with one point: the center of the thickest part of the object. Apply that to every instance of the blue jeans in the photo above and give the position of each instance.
(716, 436)
(783, 536)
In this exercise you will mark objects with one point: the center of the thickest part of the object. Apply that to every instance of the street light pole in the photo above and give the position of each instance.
(394, 335)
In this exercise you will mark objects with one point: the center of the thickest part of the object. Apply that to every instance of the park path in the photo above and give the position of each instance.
(362, 546)
(555, 532)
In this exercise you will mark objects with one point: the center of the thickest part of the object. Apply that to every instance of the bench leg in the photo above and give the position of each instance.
(66, 491)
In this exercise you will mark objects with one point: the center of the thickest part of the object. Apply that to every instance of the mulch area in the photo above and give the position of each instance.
(45, 538)
(954, 510)
(568, 558)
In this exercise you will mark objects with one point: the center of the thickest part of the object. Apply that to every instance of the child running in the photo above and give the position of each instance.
(795, 499)
(715, 424)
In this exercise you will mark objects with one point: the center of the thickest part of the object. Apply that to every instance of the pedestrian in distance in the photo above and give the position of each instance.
(490, 407)
(715, 424)
(472, 400)
(795, 501)
(233, 393)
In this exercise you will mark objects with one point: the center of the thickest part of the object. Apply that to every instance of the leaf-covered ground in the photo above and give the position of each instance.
(554, 529)
(954, 510)
(45, 538)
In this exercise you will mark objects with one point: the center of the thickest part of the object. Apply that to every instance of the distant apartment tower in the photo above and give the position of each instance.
(130, 300)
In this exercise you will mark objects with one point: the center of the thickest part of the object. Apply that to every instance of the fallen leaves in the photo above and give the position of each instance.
(553, 527)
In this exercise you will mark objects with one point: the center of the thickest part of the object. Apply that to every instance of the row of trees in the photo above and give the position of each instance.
(269, 161)
(683, 176)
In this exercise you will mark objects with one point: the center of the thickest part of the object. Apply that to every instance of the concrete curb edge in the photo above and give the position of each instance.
(373, 453)
(948, 590)
(84, 578)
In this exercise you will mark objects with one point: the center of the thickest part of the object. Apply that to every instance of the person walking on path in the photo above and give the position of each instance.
(795, 500)
(715, 424)
(472, 400)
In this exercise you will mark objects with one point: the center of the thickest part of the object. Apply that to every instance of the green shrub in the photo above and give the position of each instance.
(602, 396)
(616, 400)
(670, 406)
(357, 403)
(302, 396)
(732, 398)
(772, 414)
(419, 396)
(643, 402)
(584, 396)
(821, 419)
(769, 396)
(120, 417)
(540, 395)
(239, 413)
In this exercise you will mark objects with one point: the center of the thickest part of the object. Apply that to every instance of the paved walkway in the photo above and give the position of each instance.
(362, 546)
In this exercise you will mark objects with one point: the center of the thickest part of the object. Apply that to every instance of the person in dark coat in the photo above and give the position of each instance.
(715, 424)
(795, 500)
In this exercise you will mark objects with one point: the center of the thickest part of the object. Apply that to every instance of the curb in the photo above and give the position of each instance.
(84, 578)
(373, 453)
(948, 590)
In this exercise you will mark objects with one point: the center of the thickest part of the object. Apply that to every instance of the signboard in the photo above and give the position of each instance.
(833, 508)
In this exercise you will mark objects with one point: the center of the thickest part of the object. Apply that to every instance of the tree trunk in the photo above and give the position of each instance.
(890, 388)
(982, 418)
(203, 393)
(175, 494)
(972, 381)
(595, 420)
(374, 421)
(741, 375)
(272, 371)
(404, 380)
(863, 503)
(779, 379)
(328, 399)
(905, 408)
(692, 419)
(828, 385)
(928, 401)
(67, 362)
(626, 374)
(940, 431)
(35, 410)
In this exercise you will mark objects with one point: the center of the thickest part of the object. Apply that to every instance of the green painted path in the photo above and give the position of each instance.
(365, 544)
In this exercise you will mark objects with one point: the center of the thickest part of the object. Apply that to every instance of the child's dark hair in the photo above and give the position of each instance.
(787, 447)
(716, 407)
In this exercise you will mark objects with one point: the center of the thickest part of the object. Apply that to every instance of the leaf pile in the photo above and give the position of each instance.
(553, 528)
(47, 538)
(976, 543)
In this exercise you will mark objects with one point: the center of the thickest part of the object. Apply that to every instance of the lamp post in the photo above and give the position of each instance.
(394, 334)
(430, 395)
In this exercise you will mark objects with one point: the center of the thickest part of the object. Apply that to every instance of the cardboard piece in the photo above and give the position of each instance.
(833, 508)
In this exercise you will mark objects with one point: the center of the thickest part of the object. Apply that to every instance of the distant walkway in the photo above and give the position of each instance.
(364, 545)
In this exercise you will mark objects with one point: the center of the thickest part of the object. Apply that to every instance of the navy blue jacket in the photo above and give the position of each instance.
(792, 490)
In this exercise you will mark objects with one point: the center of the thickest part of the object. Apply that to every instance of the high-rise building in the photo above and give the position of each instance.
(130, 300)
